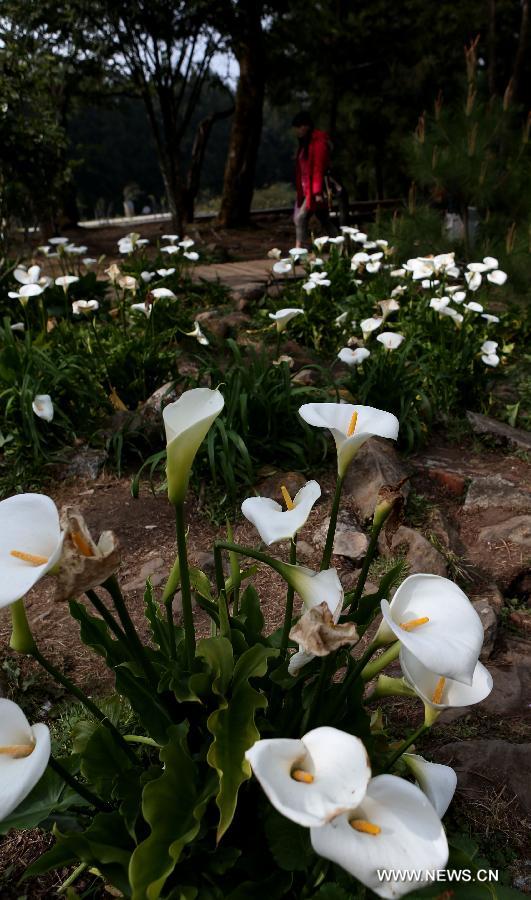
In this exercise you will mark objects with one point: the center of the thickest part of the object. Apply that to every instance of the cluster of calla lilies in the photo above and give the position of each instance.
(321, 781)
(438, 275)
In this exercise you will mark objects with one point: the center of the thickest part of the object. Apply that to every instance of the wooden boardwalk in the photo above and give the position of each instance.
(254, 271)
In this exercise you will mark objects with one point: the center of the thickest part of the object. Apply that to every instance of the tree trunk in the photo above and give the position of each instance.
(196, 162)
(238, 183)
(513, 87)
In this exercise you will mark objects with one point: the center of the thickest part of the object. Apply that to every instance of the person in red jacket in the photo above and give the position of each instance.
(312, 163)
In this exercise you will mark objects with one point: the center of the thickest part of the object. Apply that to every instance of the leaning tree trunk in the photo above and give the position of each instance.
(238, 183)
(196, 162)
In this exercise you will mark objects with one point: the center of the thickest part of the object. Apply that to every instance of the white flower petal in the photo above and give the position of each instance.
(497, 277)
(276, 524)
(337, 761)
(425, 681)
(29, 523)
(338, 416)
(187, 422)
(411, 836)
(19, 776)
(438, 782)
(353, 357)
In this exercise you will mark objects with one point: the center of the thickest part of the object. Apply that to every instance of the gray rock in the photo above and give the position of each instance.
(484, 764)
(349, 541)
(304, 550)
(489, 620)
(421, 556)
(516, 530)
(249, 290)
(510, 695)
(154, 569)
(491, 594)
(152, 408)
(86, 464)
(440, 528)
(376, 463)
(514, 437)
(494, 491)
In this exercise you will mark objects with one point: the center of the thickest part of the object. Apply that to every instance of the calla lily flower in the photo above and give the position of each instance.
(438, 782)
(58, 241)
(29, 276)
(65, 281)
(473, 279)
(42, 406)
(164, 273)
(170, 249)
(473, 306)
(359, 259)
(490, 262)
(394, 827)
(489, 346)
(127, 283)
(274, 253)
(84, 564)
(451, 312)
(18, 326)
(370, 325)
(170, 237)
(351, 426)
(283, 316)
(31, 543)
(283, 267)
(163, 292)
(397, 273)
(26, 291)
(186, 243)
(489, 318)
(321, 241)
(147, 276)
(198, 335)
(275, 524)
(435, 621)
(390, 339)
(297, 252)
(24, 753)
(497, 277)
(440, 692)
(113, 272)
(341, 319)
(491, 359)
(353, 357)
(192, 255)
(314, 779)
(318, 634)
(360, 237)
(477, 267)
(373, 266)
(84, 306)
(438, 303)
(388, 307)
(314, 587)
(187, 422)
(143, 308)
(337, 240)
(459, 296)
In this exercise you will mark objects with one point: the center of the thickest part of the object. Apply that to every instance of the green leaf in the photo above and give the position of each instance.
(144, 702)
(217, 652)
(289, 843)
(173, 806)
(94, 634)
(234, 731)
(251, 613)
(201, 583)
(276, 887)
(331, 892)
(105, 844)
(103, 761)
(50, 795)
(157, 623)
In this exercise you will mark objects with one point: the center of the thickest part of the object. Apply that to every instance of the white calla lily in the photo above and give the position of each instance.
(27, 290)
(297, 253)
(353, 357)
(314, 779)
(435, 621)
(31, 543)
(438, 303)
(276, 524)
(473, 279)
(187, 422)
(489, 347)
(438, 782)
(29, 276)
(491, 359)
(157, 293)
(147, 276)
(391, 340)
(369, 325)
(283, 267)
(438, 691)
(394, 827)
(65, 281)
(351, 425)
(170, 237)
(18, 326)
(490, 262)
(459, 296)
(165, 273)
(143, 308)
(473, 306)
(314, 587)
(24, 753)
(388, 307)
(84, 306)
(170, 249)
(477, 267)
(283, 316)
(321, 241)
(490, 319)
(42, 406)
(497, 277)
(191, 255)
(196, 333)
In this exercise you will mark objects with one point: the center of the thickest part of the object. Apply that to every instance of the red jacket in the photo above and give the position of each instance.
(318, 162)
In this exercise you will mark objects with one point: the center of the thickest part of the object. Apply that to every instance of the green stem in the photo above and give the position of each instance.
(351, 677)
(21, 639)
(288, 615)
(218, 569)
(169, 592)
(109, 619)
(113, 589)
(270, 561)
(388, 656)
(82, 697)
(72, 877)
(327, 553)
(371, 550)
(404, 746)
(186, 594)
(78, 787)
